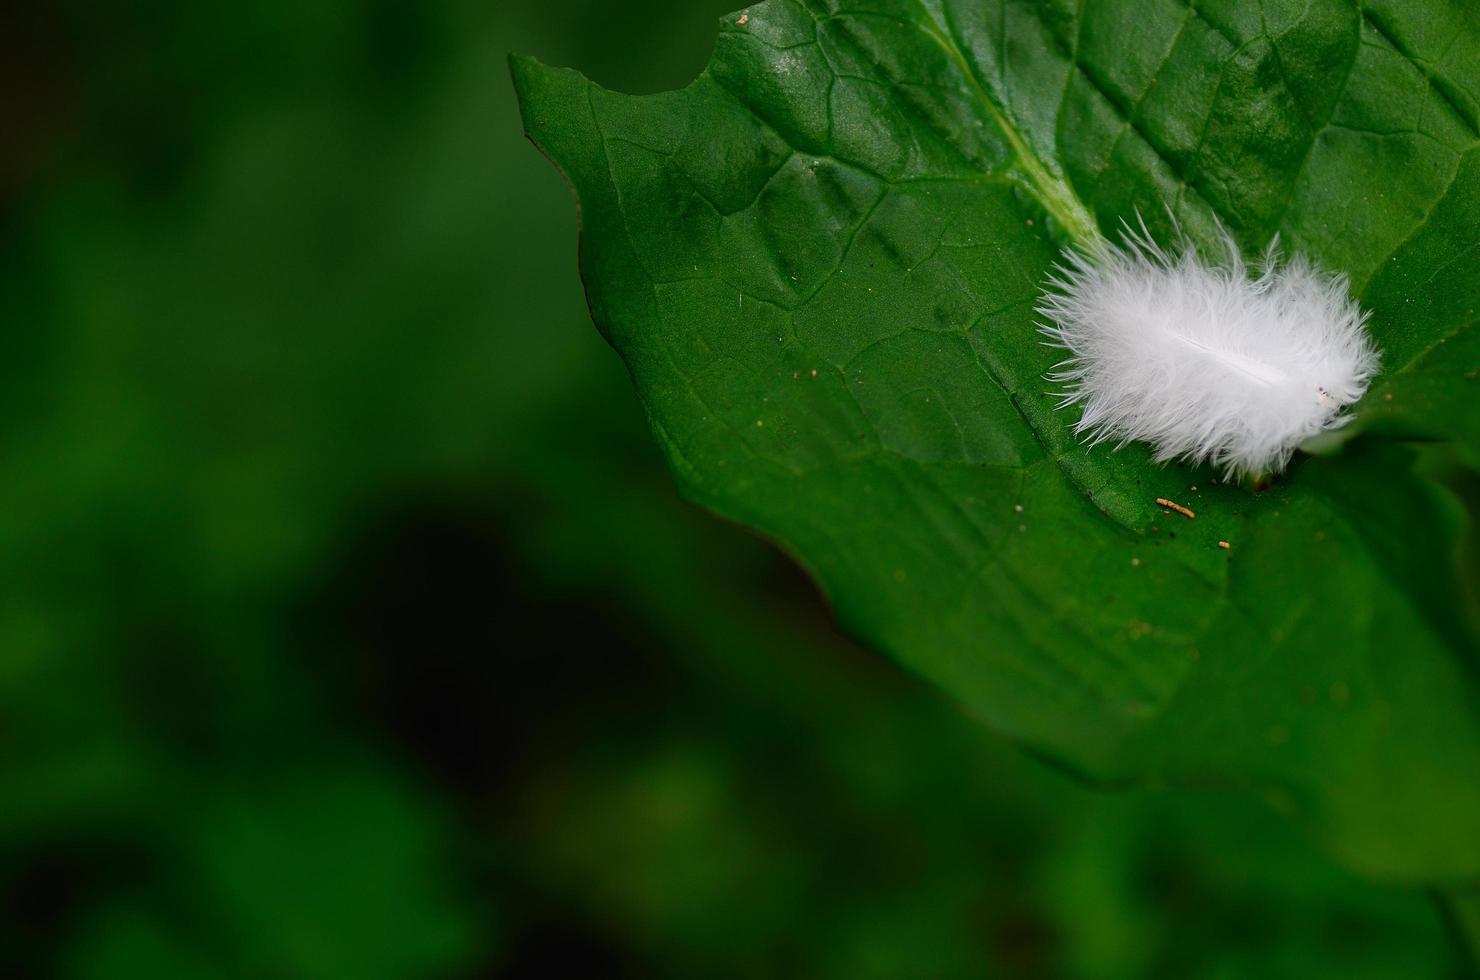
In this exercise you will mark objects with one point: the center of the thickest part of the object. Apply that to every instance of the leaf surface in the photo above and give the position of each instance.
(819, 262)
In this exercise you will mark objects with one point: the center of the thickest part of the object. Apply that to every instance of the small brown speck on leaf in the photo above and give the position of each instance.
(744, 19)
(1173, 505)
(1224, 545)
(1388, 397)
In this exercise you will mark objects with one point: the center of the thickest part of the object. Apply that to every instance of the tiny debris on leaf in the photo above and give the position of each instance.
(744, 19)
(1172, 505)
(1224, 545)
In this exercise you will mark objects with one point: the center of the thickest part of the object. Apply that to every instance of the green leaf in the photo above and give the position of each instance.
(819, 262)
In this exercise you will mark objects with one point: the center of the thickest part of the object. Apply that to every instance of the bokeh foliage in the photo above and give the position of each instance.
(350, 625)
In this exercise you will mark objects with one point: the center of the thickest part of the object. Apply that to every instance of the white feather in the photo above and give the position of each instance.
(1206, 361)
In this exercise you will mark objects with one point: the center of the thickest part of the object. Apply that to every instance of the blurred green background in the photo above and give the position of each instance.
(351, 627)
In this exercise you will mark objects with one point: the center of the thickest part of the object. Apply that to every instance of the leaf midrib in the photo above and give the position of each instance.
(1056, 196)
